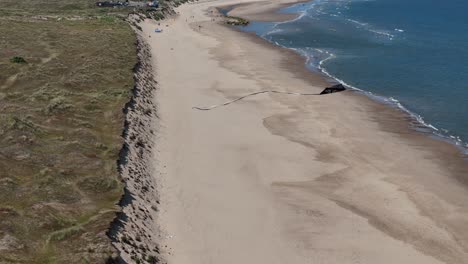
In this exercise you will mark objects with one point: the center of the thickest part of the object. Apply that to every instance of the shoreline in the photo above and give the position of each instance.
(264, 11)
(330, 179)
(399, 119)
(417, 122)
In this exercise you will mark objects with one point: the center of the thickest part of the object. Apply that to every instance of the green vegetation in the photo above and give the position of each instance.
(66, 73)
(152, 259)
(236, 21)
(60, 125)
(17, 59)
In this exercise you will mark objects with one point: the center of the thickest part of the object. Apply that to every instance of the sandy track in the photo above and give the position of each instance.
(284, 179)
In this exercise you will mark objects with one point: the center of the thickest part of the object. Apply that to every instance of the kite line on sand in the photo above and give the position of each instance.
(247, 95)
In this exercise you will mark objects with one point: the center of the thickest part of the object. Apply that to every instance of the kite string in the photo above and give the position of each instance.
(247, 95)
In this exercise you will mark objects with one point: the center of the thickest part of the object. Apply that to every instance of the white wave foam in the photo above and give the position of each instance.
(444, 134)
(383, 33)
(301, 13)
(369, 28)
(357, 22)
(276, 30)
(441, 133)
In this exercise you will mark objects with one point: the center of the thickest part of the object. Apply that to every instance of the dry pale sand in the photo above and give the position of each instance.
(290, 179)
(262, 10)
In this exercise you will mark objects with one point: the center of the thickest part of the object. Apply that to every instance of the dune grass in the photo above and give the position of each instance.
(60, 125)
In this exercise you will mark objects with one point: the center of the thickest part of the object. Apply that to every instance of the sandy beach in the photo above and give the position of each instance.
(278, 178)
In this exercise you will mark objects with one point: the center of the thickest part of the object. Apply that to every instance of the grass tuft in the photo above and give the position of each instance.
(17, 59)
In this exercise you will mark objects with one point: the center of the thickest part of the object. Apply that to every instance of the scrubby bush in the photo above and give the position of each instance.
(236, 21)
(152, 259)
(17, 59)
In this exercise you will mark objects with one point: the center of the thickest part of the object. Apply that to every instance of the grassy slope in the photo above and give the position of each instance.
(60, 126)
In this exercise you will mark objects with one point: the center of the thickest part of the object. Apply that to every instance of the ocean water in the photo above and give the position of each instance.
(410, 54)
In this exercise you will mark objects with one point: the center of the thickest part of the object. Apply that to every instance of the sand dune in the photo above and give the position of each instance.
(290, 179)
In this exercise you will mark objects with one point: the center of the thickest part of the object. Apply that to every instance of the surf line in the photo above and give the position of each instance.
(328, 90)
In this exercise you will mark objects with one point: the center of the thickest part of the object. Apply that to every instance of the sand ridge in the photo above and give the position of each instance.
(289, 179)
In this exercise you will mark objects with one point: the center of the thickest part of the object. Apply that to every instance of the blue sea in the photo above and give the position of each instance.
(412, 54)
